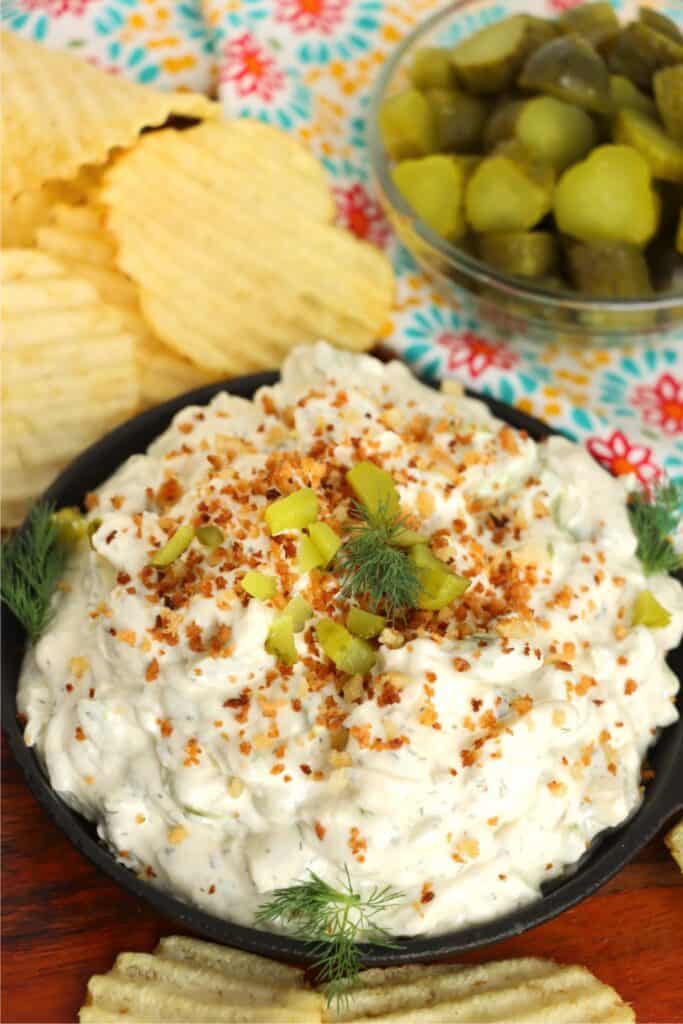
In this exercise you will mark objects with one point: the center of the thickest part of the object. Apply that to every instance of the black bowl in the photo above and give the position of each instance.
(607, 855)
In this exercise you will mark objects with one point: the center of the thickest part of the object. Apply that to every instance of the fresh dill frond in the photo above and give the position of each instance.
(334, 921)
(32, 563)
(373, 567)
(654, 516)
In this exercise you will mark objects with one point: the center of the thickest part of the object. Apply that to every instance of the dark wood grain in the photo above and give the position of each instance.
(63, 921)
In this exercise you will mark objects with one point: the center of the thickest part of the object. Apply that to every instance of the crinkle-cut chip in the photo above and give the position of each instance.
(69, 370)
(60, 113)
(674, 840)
(226, 229)
(164, 374)
(523, 991)
(24, 213)
(233, 963)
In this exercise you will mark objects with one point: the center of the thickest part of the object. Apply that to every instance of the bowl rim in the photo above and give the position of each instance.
(615, 847)
(513, 286)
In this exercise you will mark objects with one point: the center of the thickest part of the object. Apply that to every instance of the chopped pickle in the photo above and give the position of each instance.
(611, 271)
(71, 525)
(299, 611)
(488, 61)
(326, 540)
(258, 585)
(640, 50)
(406, 123)
(647, 611)
(501, 124)
(174, 547)
(668, 88)
(280, 640)
(664, 156)
(349, 653)
(506, 195)
(625, 94)
(374, 488)
(308, 555)
(540, 31)
(608, 197)
(660, 23)
(434, 187)
(555, 132)
(210, 536)
(439, 585)
(459, 120)
(569, 69)
(405, 538)
(596, 22)
(365, 624)
(293, 512)
(432, 68)
(525, 253)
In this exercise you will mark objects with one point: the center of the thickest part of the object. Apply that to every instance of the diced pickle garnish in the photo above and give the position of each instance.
(668, 88)
(663, 154)
(326, 540)
(349, 653)
(365, 624)
(488, 60)
(174, 547)
(280, 640)
(434, 187)
(504, 194)
(571, 70)
(439, 585)
(407, 126)
(405, 538)
(308, 555)
(210, 536)
(432, 68)
(374, 488)
(647, 611)
(299, 611)
(293, 512)
(555, 132)
(71, 525)
(259, 585)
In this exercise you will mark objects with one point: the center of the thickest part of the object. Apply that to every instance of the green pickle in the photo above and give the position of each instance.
(569, 69)
(596, 22)
(280, 640)
(299, 611)
(624, 94)
(432, 68)
(364, 624)
(502, 122)
(433, 187)
(647, 611)
(71, 525)
(525, 253)
(258, 585)
(664, 156)
(407, 125)
(174, 547)
(293, 512)
(325, 540)
(459, 120)
(679, 235)
(608, 197)
(555, 132)
(210, 536)
(640, 50)
(439, 586)
(349, 653)
(374, 488)
(309, 556)
(610, 271)
(660, 22)
(507, 194)
(488, 61)
(668, 89)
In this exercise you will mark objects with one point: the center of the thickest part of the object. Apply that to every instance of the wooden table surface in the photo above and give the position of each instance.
(63, 921)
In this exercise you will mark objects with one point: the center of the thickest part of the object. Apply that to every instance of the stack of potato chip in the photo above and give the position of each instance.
(139, 264)
(192, 981)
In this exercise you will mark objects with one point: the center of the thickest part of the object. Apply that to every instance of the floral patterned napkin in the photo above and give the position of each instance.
(309, 67)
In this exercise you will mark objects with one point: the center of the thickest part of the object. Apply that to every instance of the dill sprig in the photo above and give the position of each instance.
(654, 516)
(334, 921)
(32, 562)
(373, 567)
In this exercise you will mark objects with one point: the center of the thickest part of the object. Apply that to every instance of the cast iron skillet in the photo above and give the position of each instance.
(606, 856)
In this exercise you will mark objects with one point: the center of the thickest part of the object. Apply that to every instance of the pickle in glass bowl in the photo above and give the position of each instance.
(508, 194)
(555, 132)
(663, 154)
(609, 271)
(523, 253)
(597, 22)
(569, 69)
(434, 187)
(407, 125)
(488, 61)
(459, 120)
(668, 89)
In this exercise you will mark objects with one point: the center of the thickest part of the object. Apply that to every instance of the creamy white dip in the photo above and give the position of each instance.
(479, 759)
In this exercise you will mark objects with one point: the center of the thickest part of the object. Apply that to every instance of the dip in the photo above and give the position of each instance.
(489, 743)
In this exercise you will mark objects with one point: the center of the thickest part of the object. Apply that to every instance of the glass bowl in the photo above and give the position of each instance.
(509, 303)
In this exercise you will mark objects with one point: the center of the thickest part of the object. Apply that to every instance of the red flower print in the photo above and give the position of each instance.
(55, 8)
(252, 71)
(662, 404)
(361, 214)
(620, 457)
(475, 353)
(311, 15)
(559, 6)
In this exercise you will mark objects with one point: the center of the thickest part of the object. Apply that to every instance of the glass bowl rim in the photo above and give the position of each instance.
(483, 274)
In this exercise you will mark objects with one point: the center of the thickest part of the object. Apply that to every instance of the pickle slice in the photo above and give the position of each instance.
(308, 555)
(668, 88)
(432, 68)
(504, 194)
(293, 512)
(259, 585)
(325, 539)
(365, 624)
(434, 187)
(625, 94)
(459, 119)
(174, 547)
(406, 124)
(525, 253)
(374, 488)
(349, 653)
(639, 51)
(280, 640)
(501, 124)
(609, 271)
(660, 22)
(608, 197)
(647, 611)
(299, 611)
(664, 156)
(596, 22)
(540, 31)
(569, 69)
(488, 61)
(555, 132)
(439, 586)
